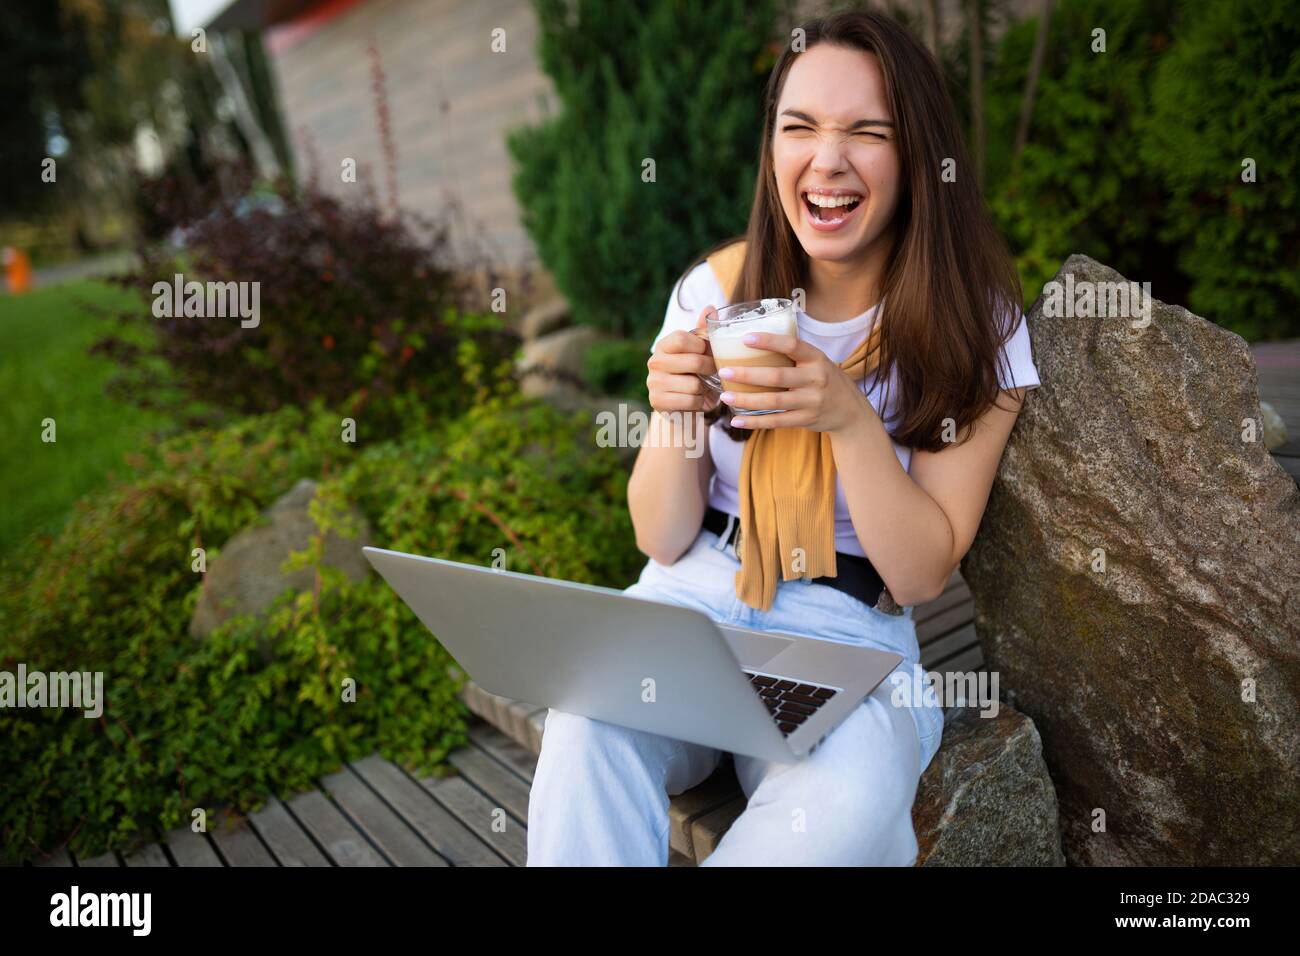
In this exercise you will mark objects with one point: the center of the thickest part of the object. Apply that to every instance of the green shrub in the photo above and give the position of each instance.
(1080, 185)
(618, 367)
(1134, 155)
(113, 593)
(1229, 89)
(674, 82)
(511, 474)
(215, 722)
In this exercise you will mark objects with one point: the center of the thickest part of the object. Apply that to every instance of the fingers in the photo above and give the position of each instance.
(681, 384)
(681, 341)
(773, 377)
(678, 359)
(681, 402)
(795, 399)
(682, 363)
(696, 340)
(679, 393)
(785, 344)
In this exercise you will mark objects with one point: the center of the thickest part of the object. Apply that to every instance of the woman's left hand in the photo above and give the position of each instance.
(819, 395)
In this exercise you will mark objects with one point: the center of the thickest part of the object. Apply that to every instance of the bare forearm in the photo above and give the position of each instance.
(904, 532)
(668, 490)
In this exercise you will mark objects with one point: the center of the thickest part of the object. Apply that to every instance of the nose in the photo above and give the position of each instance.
(829, 157)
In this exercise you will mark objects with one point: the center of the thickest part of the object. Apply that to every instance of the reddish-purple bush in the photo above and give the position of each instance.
(349, 300)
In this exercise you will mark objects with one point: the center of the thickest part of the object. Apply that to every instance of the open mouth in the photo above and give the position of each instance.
(831, 206)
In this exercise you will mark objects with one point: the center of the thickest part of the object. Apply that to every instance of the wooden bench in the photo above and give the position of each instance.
(1278, 364)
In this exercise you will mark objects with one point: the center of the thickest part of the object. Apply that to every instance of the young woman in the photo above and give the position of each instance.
(909, 370)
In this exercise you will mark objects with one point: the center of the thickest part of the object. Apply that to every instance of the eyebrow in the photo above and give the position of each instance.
(799, 114)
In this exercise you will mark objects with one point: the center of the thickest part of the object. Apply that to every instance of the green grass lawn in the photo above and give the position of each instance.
(46, 373)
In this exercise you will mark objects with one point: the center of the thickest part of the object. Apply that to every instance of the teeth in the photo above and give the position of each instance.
(828, 202)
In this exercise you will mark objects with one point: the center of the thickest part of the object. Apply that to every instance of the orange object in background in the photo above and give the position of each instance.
(18, 271)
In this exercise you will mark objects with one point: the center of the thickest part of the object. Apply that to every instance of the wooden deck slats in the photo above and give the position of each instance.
(288, 842)
(512, 754)
(482, 814)
(371, 813)
(331, 829)
(944, 623)
(237, 843)
(971, 659)
(451, 837)
(954, 595)
(151, 855)
(937, 652)
(191, 849)
(491, 777)
(385, 829)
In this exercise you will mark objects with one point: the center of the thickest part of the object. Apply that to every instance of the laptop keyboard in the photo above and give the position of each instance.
(789, 702)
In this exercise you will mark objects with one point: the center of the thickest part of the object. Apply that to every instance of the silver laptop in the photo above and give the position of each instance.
(637, 663)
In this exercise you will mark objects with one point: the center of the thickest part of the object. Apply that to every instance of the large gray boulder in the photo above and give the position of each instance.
(1137, 584)
(246, 576)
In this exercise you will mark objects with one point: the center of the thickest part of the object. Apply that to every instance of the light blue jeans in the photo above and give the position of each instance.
(600, 793)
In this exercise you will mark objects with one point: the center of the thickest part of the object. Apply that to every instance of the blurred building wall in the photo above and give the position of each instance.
(450, 97)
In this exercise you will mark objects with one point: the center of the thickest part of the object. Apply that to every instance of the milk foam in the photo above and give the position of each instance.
(727, 340)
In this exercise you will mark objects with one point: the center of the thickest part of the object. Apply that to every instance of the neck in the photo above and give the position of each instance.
(841, 289)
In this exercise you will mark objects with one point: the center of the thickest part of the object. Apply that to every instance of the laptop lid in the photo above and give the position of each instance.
(588, 650)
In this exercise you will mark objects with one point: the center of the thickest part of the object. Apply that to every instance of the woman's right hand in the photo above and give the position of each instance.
(678, 360)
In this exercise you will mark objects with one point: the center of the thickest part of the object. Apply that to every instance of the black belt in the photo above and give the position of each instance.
(855, 574)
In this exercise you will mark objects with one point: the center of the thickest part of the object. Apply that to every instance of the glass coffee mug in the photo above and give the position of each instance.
(727, 329)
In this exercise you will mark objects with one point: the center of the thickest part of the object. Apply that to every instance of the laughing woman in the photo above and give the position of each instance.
(908, 372)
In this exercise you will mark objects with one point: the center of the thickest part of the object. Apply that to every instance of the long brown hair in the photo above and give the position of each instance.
(950, 289)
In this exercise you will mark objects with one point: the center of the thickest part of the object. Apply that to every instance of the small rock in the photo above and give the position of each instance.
(986, 799)
(245, 577)
(544, 318)
(1275, 435)
(551, 366)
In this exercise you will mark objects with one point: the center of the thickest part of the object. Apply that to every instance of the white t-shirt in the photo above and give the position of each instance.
(700, 288)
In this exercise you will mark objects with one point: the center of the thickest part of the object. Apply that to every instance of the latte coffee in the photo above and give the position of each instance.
(726, 341)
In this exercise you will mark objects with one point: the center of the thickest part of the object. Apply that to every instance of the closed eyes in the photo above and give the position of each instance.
(857, 132)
